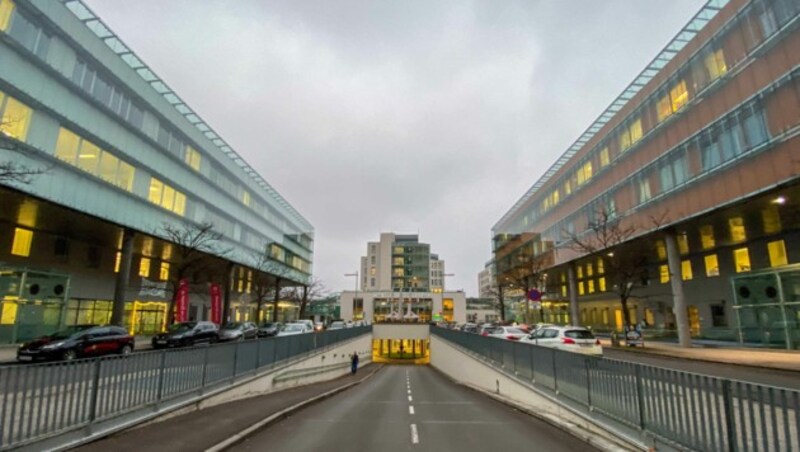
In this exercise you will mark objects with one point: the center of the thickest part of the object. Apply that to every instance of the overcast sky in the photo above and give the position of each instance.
(403, 116)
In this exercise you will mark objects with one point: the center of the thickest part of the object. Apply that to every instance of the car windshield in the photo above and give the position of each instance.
(268, 325)
(178, 327)
(293, 327)
(515, 331)
(232, 326)
(579, 334)
(69, 332)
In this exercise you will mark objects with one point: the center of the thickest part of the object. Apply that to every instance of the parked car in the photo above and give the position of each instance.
(269, 329)
(80, 341)
(510, 333)
(291, 329)
(569, 338)
(469, 328)
(336, 325)
(308, 324)
(238, 331)
(186, 334)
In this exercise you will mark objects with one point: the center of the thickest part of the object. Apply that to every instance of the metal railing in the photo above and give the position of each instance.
(687, 410)
(42, 400)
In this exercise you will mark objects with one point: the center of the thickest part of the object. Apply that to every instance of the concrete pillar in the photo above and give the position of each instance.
(678, 298)
(123, 277)
(573, 295)
(226, 296)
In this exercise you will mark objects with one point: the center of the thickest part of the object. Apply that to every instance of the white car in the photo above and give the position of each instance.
(510, 333)
(336, 325)
(568, 338)
(309, 324)
(291, 329)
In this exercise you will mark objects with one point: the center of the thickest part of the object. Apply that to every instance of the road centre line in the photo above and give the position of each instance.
(414, 434)
(411, 409)
(410, 399)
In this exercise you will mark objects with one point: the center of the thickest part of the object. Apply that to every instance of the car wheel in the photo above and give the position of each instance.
(125, 350)
(69, 355)
(240, 338)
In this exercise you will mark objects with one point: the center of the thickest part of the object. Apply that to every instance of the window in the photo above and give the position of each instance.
(192, 158)
(772, 220)
(590, 285)
(679, 95)
(589, 270)
(737, 229)
(246, 198)
(117, 260)
(777, 253)
(584, 173)
(6, 8)
(28, 34)
(635, 131)
(707, 236)
(601, 284)
(683, 243)
(663, 271)
(686, 270)
(167, 197)
(88, 156)
(109, 165)
(710, 153)
(754, 129)
(23, 238)
(663, 108)
(644, 191)
(600, 267)
(712, 266)
(163, 273)
(604, 157)
(661, 250)
(741, 260)
(580, 271)
(715, 64)
(144, 267)
(581, 290)
(16, 118)
(563, 291)
(67, 146)
(567, 188)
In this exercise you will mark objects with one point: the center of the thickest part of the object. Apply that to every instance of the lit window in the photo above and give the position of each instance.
(6, 8)
(580, 288)
(712, 266)
(166, 196)
(109, 165)
(771, 219)
(16, 119)
(117, 260)
(563, 291)
(601, 284)
(679, 96)
(88, 157)
(635, 131)
(738, 233)
(590, 284)
(67, 146)
(664, 273)
(563, 278)
(600, 267)
(715, 64)
(124, 177)
(192, 158)
(584, 173)
(661, 250)
(686, 270)
(180, 203)
(777, 253)
(23, 238)
(624, 141)
(683, 243)
(568, 187)
(246, 198)
(707, 236)
(589, 270)
(741, 260)
(144, 267)
(664, 108)
(604, 157)
(580, 271)
(163, 274)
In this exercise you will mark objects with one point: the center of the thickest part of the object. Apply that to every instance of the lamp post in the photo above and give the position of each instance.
(355, 293)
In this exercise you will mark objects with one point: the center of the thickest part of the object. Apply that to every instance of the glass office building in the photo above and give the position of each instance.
(119, 160)
(698, 160)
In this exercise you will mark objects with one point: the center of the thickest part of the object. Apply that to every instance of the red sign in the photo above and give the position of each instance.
(534, 295)
(216, 304)
(182, 302)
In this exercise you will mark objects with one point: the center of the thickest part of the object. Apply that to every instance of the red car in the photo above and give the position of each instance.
(79, 341)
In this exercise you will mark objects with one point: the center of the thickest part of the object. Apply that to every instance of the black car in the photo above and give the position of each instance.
(79, 341)
(187, 334)
(238, 331)
(269, 329)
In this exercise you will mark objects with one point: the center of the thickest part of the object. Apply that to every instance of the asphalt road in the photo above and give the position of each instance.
(750, 374)
(410, 408)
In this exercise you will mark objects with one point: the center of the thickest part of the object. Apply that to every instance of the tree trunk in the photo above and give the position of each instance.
(625, 314)
(304, 302)
(275, 300)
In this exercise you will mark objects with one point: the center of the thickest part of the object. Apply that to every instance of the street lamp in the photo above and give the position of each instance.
(355, 293)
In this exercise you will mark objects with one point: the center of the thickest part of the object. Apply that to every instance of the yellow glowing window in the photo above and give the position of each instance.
(661, 250)
(679, 96)
(741, 260)
(168, 198)
(589, 270)
(16, 119)
(144, 267)
(664, 108)
(563, 291)
(771, 219)
(686, 270)
(601, 284)
(683, 243)
(707, 236)
(663, 272)
(777, 253)
(567, 188)
(192, 158)
(9, 315)
(590, 284)
(240, 286)
(580, 288)
(6, 8)
(23, 238)
(600, 266)
(124, 177)
(624, 141)
(584, 173)
(635, 131)
(580, 271)
(180, 203)
(88, 157)
(108, 167)
(738, 233)
(156, 189)
(563, 278)
(604, 157)
(117, 260)
(163, 273)
(67, 146)
(246, 198)
(715, 64)
(249, 287)
(712, 265)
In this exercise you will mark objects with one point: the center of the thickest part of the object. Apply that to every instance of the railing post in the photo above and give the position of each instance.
(163, 365)
(95, 391)
(555, 373)
(727, 399)
(640, 395)
(587, 361)
(236, 358)
(258, 355)
(205, 369)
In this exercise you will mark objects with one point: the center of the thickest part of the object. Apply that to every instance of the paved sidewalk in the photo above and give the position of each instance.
(200, 430)
(756, 357)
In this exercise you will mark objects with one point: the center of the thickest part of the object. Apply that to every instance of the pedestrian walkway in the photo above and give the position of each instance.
(200, 430)
(757, 357)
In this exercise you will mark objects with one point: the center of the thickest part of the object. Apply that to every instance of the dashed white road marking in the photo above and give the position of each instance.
(414, 434)
(411, 409)
(410, 399)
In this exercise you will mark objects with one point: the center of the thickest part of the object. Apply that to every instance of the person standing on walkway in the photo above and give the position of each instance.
(354, 363)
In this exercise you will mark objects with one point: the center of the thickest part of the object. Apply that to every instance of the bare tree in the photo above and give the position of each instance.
(529, 273)
(307, 293)
(194, 248)
(12, 171)
(497, 294)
